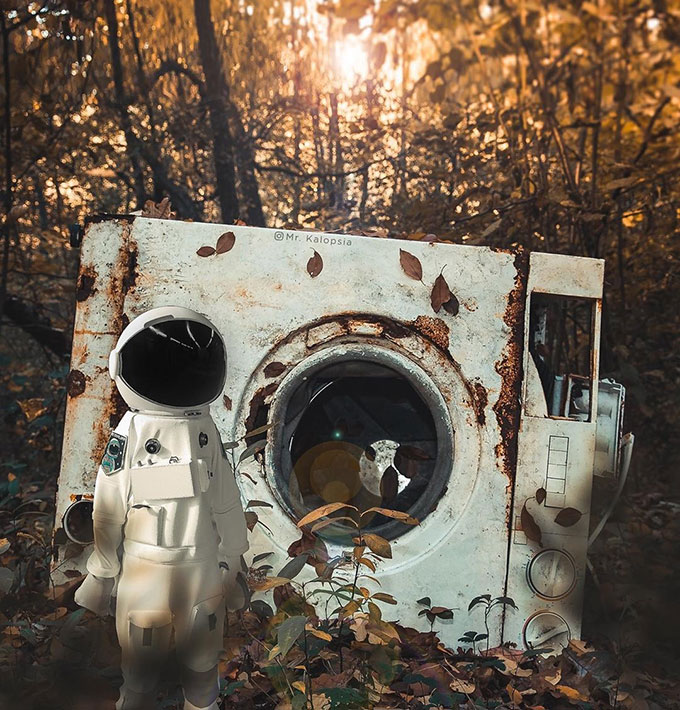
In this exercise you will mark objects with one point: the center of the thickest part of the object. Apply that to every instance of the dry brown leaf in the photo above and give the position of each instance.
(318, 633)
(553, 678)
(530, 526)
(315, 265)
(32, 408)
(206, 251)
(452, 306)
(158, 210)
(227, 402)
(396, 514)
(568, 517)
(440, 294)
(460, 685)
(274, 369)
(321, 512)
(358, 625)
(512, 667)
(540, 495)
(378, 544)
(225, 243)
(269, 583)
(572, 693)
(411, 265)
(515, 695)
(384, 597)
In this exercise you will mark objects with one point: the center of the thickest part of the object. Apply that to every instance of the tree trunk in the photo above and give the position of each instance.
(8, 163)
(121, 103)
(245, 163)
(151, 152)
(337, 159)
(216, 93)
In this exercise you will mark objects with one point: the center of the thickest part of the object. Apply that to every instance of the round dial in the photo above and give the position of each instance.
(552, 574)
(546, 630)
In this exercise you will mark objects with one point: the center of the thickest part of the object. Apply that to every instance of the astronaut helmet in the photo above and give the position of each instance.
(169, 360)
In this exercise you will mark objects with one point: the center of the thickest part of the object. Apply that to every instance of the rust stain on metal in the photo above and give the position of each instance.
(85, 286)
(130, 270)
(123, 278)
(509, 367)
(433, 328)
(115, 407)
(76, 381)
(112, 412)
(257, 402)
(479, 402)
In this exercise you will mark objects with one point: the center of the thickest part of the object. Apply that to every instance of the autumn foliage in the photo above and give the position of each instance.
(550, 125)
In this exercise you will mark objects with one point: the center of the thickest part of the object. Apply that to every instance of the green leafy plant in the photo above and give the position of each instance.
(434, 612)
(488, 603)
(299, 636)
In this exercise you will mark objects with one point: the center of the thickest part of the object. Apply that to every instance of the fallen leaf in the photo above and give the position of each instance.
(158, 210)
(452, 306)
(459, 685)
(553, 679)
(225, 242)
(572, 693)
(530, 526)
(540, 495)
(227, 402)
(315, 265)
(32, 408)
(206, 251)
(411, 265)
(440, 293)
(274, 369)
(568, 517)
(515, 695)
(318, 633)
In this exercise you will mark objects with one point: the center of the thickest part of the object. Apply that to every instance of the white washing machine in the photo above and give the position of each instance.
(457, 416)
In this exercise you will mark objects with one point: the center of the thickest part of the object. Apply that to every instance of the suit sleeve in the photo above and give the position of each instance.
(227, 510)
(110, 511)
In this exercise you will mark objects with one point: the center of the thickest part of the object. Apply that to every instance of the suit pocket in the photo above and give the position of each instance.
(145, 524)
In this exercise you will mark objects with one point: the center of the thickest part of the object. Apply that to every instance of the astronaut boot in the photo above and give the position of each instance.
(132, 700)
(200, 689)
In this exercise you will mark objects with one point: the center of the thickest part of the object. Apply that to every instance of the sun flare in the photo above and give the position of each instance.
(351, 59)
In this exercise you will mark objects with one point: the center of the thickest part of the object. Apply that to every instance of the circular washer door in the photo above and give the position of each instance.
(362, 426)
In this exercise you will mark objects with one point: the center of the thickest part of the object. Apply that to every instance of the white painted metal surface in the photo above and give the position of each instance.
(282, 325)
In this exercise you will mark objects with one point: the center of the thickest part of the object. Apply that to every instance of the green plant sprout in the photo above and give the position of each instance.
(485, 600)
(356, 609)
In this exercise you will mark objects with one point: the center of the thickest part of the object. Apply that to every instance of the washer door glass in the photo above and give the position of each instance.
(359, 432)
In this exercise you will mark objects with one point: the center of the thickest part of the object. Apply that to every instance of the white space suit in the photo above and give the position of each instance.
(168, 522)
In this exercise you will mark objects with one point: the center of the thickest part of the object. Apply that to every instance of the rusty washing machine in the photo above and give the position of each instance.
(475, 406)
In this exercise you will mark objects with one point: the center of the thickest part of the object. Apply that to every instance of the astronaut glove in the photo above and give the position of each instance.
(95, 594)
(234, 585)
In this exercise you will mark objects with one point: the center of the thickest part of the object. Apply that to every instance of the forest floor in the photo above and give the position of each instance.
(55, 655)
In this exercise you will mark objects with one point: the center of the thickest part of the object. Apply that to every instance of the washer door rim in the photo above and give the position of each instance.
(378, 353)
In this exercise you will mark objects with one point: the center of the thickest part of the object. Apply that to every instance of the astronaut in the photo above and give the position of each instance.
(168, 522)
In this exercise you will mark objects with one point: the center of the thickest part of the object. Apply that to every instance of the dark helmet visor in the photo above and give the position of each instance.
(178, 363)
